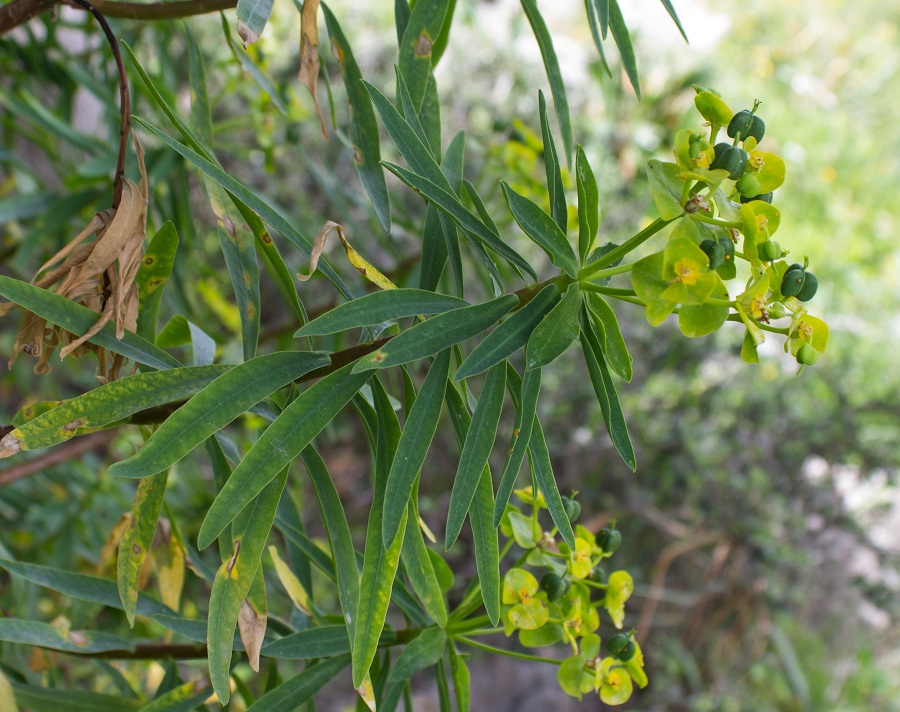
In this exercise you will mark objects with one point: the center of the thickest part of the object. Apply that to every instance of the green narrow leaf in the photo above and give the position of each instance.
(484, 533)
(440, 43)
(554, 75)
(422, 652)
(606, 395)
(363, 127)
(342, 551)
(234, 579)
(434, 250)
(623, 42)
(50, 699)
(113, 402)
(378, 307)
(414, 442)
(546, 482)
(420, 567)
(430, 115)
(183, 698)
(555, 187)
(670, 8)
(511, 335)
(602, 7)
(422, 29)
(44, 635)
(311, 643)
(252, 200)
(461, 680)
(223, 400)
(281, 442)
(253, 69)
(152, 277)
(83, 587)
(252, 16)
(401, 18)
(479, 443)
(542, 230)
(607, 324)
(470, 225)
(598, 34)
(79, 320)
(381, 558)
(452, 166)
(137, 538)
(529, 388)
(293, 693)
(588, 204)
(556, 331)
(438, 333)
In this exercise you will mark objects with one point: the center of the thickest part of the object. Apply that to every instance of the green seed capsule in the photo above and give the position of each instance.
(747, 124)
(765, 197)
(793, 280)
(609, 539)
(748, 186)
(728, 248)
(621, 646)
(731, 158)
(715, 252)
(555, 586)
(809, 288)
(807, 355)
(769, 250)
(572, 507)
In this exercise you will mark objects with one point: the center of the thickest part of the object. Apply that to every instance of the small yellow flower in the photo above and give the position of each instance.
(687, 271)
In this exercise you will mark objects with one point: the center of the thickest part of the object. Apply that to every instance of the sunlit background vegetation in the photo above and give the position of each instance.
(762, 523)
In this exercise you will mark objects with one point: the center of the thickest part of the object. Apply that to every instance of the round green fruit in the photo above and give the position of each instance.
(809, 288)
(769, 250)
(730, 158)
(793, 280)
(715, 252)
(746, 124)
(554, 585)
(609, 539)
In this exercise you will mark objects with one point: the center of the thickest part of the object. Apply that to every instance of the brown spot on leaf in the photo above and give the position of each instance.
(77, 637)
(150, 260)
(357, 155)
(233, 560)
(423, 46)
(73, 425)
(136, 549)
(266, 238)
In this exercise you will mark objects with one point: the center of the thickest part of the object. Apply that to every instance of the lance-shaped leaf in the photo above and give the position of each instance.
(311, 643)
(378, 307)
(381, 558)
(338, 530)
(422, 652)
(554, 75)
(592, 9)
(671, 10)
(302, 688)
(542, 230)
(83, 587)
(137, 538)
(479, 442)
(183, 698)
(234, 578)
(471, 226)
(484, 533)
(113, 402)
(44, 635)
(252, 17)
(223, 400)
(79, 320)
(511, 335)
(52, 699)
(438, 333)
(529, 388)
(611, 335)
(556, 331)
(422, 29)
(363, 127)
(546, 482)
(152, 277)
(414, 442)
(606, 395)
(419, 565)
(250, 198)
(281, 442)
(461, 680)
(452, 166)
(623, 42)
(555, 189)
(588, 204)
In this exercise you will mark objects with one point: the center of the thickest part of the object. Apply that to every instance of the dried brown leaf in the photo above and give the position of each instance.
(252, 627)
(309, 55)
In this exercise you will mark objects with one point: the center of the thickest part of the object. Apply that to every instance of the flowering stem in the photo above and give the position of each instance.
(507, 653)
(700, 217)
(610, 271)
(625, 248)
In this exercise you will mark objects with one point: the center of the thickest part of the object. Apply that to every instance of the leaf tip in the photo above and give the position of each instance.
(9, 445)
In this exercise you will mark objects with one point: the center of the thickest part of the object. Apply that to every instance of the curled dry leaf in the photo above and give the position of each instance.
(252, 627)
(365, 269)
(99, 275)
(309, 54)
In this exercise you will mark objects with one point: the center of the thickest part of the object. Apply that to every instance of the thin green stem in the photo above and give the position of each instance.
(507, 653)
(483, 631)
(611, 271)
(623, 249)
(719, 302)
(784, 331)
(469, 603)
(700, 217)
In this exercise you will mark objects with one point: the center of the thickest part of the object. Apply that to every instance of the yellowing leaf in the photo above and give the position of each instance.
(291, 583)
(368, 271)
(367, 692)
(309, 54)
